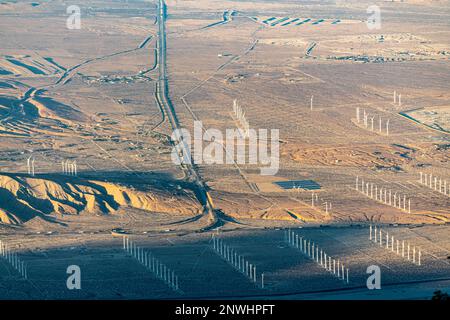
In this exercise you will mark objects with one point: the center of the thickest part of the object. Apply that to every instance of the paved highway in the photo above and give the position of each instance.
(163, 99)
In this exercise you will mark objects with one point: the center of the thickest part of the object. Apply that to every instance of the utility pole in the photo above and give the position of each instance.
(32, 167)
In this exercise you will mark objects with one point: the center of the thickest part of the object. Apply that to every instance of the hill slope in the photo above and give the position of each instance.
(23, 198)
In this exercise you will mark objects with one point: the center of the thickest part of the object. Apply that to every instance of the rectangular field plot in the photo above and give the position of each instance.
(299, 184)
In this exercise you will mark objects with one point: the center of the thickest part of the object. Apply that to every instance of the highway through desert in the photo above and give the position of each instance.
(163, 100)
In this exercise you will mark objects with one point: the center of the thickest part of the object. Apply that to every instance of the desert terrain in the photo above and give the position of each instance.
(87, 117)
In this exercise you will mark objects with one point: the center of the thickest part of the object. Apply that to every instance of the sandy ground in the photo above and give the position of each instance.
(92, 101)
(88, 96)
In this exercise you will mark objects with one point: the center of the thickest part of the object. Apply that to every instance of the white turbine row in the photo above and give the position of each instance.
(242, 120)
(69, 168)
(365, 120)
(161, 271)
(438, 185)
(397, 99)
(393, 245)
(383, 195)
(13, 259)
(318, 255)
(236, 260)
(30, 165)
